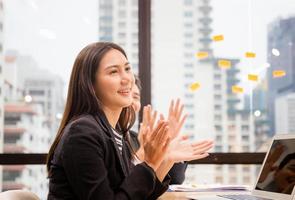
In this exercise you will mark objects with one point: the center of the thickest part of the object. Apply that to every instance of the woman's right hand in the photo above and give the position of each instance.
(148, 120)
(155, 144)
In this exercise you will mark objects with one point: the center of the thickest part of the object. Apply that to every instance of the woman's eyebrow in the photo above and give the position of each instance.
(116, 66)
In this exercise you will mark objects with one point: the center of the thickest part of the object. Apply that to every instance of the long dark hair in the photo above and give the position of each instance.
(81, 97)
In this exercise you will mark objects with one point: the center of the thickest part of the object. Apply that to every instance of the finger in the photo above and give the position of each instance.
(202, 150)
(181, 123)
(201, 143)
(161, 132)
(156, 130)
(170, 113)
(143, 134)
(200, 156)
(179, 112)
(144, 117)
(140, 133)
(149, 110)
(162, 117)
(148, 133)
(166, 145)
(194, 157)
(153, 119)
(176, 107)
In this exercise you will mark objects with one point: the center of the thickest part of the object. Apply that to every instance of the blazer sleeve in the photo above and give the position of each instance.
(83, 161)
(177, 173)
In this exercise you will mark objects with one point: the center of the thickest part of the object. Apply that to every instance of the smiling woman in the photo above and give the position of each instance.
(114, 81)
(90, 158)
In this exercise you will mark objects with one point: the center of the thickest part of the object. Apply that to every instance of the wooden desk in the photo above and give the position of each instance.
(175, 196)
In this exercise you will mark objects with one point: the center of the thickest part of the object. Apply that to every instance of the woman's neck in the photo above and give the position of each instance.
(112, 115)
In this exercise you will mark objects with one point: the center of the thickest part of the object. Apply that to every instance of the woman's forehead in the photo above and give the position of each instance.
(113, 58)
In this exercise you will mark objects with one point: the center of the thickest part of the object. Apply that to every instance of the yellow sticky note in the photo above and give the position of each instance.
(252, 77)
(225, 64)
(250, 55)
(202, 54)
(237, 89)
(195, 86)
(217, 38)
(278, 73)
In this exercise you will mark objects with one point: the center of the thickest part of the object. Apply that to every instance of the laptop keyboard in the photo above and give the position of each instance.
(242, 197)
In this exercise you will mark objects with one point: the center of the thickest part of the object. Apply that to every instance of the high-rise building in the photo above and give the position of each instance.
(234, 125)
(118, 22)
(32, 100)
(36, 86)
(260, 112)
(25, 132)
(1, 86)
(285, 113)
(281, 37)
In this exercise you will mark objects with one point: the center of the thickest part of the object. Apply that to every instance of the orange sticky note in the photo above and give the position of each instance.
(250, 55)
(225, 64)
(278, 73)
(252, 77)
(195, 86)
(202, 54)
(217, 38)
(237, 89)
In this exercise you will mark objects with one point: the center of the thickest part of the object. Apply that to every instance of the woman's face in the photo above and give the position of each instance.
(114, 81)
(136, 98)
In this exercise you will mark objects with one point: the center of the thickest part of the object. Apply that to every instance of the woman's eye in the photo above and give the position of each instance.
(128, 69)
(113, 72)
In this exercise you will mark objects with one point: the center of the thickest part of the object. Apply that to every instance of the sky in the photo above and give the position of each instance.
(51, 31)
(54, 31)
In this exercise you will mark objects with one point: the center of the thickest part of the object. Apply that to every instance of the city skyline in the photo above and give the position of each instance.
(54, 39)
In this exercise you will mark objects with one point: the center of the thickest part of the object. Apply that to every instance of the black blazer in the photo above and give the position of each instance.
(177, 172)
(87, 165)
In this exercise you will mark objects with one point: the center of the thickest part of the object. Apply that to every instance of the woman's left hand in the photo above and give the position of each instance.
(175, 118)
(180, 149)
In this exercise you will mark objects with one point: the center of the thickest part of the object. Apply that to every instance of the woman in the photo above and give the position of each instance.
(89, 158)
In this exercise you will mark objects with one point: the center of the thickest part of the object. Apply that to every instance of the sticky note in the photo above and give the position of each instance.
(250, 55)
(252, 77)
(195, 86)
(278, 73)
(225, 64)
(237, 89)
(217, 38)
(202, 54)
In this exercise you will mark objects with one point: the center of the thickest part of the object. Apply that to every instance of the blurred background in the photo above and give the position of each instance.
(231, 62)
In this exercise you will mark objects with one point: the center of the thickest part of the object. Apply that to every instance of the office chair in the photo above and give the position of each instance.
(18, 195)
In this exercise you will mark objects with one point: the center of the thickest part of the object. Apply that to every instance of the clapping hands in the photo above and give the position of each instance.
(163, 137)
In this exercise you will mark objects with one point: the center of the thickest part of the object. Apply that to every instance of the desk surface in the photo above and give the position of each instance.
(183, 195)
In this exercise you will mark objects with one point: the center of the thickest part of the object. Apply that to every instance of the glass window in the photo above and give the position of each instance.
(258, 41)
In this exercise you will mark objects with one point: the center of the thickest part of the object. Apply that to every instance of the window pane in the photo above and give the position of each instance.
(245, 73)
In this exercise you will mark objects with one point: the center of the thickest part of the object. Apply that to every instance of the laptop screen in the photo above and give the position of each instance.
(278, 173)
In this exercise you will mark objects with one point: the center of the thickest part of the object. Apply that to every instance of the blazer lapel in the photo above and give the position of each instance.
(102, 120)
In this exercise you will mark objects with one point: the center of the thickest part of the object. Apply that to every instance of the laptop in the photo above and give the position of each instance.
(276, 178)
